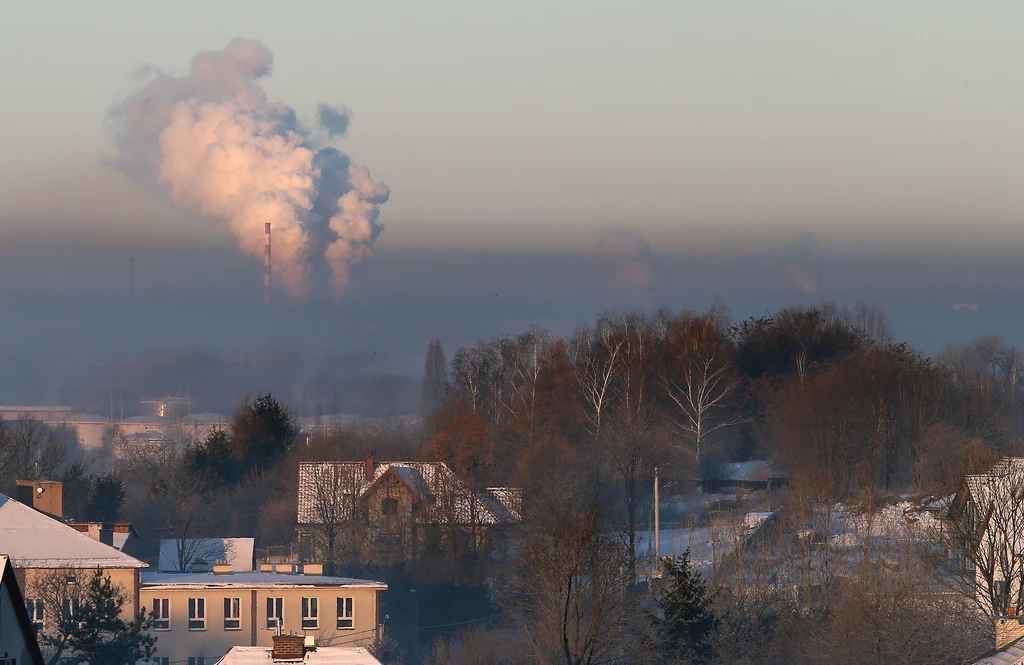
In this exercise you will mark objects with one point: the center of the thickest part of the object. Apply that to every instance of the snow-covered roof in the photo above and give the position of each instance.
(252, 579)
(1011, 655)
(430, 481)
(753, 470)
(322, 656)
(34, 540)
(238, 552)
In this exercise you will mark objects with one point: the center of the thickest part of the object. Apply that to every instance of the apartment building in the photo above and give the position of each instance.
(200, 616)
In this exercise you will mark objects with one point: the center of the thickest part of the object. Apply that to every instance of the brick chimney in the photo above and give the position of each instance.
(288, 647)
(46, 496)
(106, 534)
(369, 466)
(1009, 629)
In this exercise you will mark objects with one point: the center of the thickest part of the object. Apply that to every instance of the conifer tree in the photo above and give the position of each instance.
(688, 616)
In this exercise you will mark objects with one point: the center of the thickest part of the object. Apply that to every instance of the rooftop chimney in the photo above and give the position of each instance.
(106, 534)
(1009, 629)
(46, 496)
(368, 472)
(288, 647)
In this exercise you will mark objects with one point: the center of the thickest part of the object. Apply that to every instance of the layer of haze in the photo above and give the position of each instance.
(546, 161)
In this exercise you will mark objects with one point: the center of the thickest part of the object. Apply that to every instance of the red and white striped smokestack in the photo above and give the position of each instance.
(266, 265)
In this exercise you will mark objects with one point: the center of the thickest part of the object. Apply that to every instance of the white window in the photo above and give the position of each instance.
(197, 614)
(196, 660)
(346, 619)
(310, 613)
(232, 614)
(275, 613)
(35, 612)
(161, 614)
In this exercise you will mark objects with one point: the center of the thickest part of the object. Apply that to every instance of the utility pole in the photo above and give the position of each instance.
(416, 629)
(657, 528)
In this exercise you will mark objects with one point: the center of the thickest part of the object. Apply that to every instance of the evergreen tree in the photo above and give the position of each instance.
(688, 616)
(435, 377)
(78, 486)
(261, 432)
(214, 457)
(107, 498)
(100, 635)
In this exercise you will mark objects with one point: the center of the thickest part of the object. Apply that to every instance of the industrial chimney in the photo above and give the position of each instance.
(266, 264)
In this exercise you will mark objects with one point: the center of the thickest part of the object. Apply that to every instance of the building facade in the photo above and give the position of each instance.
(201, 616)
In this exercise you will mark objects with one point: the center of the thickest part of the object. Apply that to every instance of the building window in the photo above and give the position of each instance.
(346, 620)
(161, 614)
(161, 660)
(389, 506)
(232, 614)
(35, 612)
(197, 614)
(310, 613)
(275, 613)
(196, 660)
(70, 608)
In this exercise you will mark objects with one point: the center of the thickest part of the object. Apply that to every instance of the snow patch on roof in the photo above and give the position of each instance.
(322, 656)
(252, 579)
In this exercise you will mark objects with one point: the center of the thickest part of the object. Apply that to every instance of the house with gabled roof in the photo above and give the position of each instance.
(18, 644)
(40, 547)
(393, 509)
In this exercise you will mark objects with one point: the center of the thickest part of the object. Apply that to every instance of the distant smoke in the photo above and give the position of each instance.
(628, 255)
(803, 262)
(213, 143)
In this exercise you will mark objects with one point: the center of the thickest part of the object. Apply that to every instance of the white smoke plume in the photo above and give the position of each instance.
(214, 145)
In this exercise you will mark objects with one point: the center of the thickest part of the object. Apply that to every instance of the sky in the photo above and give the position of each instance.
(619, 154)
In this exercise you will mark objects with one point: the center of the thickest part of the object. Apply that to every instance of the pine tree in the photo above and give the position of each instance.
(100, 636)
(689, 618)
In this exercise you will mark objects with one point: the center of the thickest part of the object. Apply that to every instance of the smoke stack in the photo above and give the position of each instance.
(266, 264)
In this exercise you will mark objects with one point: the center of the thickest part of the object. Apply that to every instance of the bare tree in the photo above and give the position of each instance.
(597, 356)
(329, 494)
(984, 535)
(62, 594)
(701, 383)
(187, 509)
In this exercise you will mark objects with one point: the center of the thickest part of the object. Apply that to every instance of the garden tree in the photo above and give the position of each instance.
(98, 634)
(63, 593)
(332, 495)
(568, 590)
(478, 646)
(77, 491)
(984, 405)
(698, 378)
(435, 377)
(214, 456)
(187, 509)
(108, 496)
(890, 615)
(984, 532)
(262, 431)
(688, 617)
(463, 442)
(471, 374)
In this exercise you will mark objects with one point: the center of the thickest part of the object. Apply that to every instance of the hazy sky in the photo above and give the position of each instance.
(887, 124)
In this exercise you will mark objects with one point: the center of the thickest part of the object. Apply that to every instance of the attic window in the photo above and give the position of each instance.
(389, 506)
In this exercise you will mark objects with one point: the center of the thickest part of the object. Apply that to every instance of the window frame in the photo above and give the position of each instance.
(197, 660)
(275, 621)
(197, 613)
(36, 612)
(346, 612)
(310, 613)
(162, 614)
(232, 613)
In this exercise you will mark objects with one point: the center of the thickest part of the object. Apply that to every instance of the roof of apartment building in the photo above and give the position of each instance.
(249, 580)
(34, 540)
(426, 480)
(237, 552)
(321, 656)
